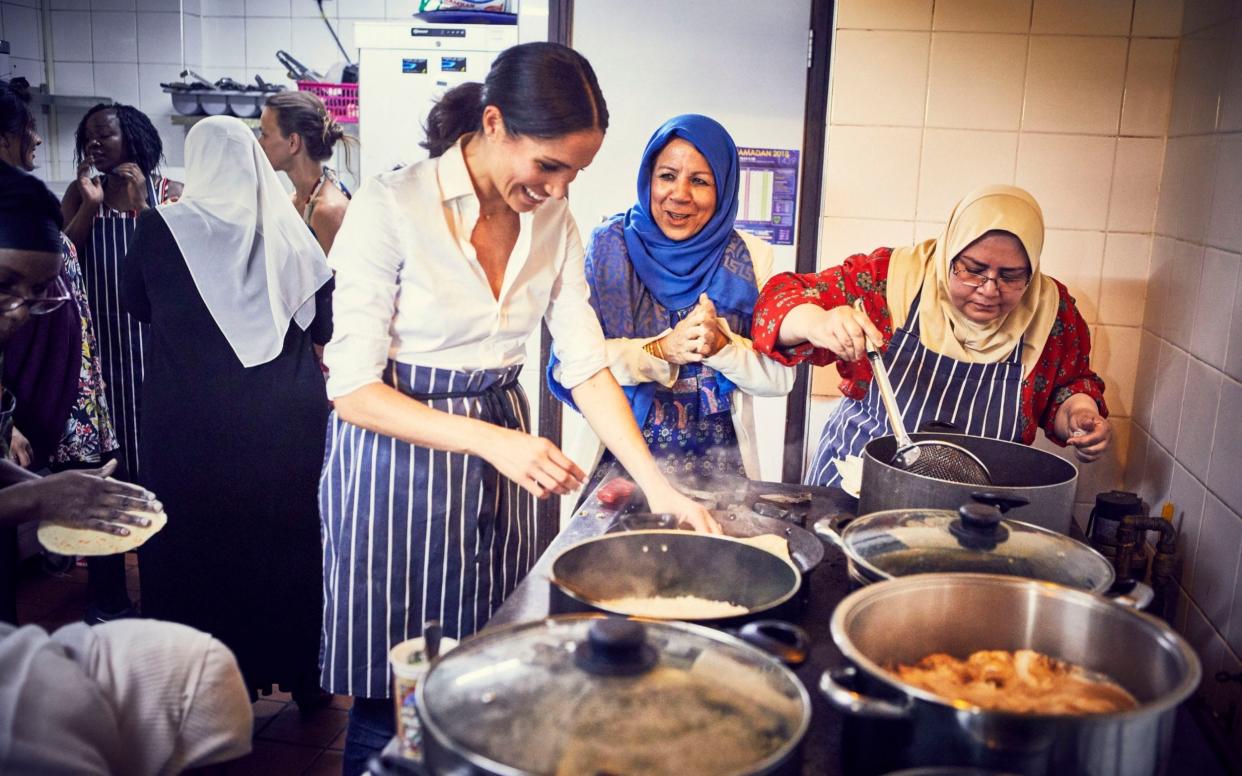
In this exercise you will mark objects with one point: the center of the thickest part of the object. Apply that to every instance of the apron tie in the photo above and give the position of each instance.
(494, 398)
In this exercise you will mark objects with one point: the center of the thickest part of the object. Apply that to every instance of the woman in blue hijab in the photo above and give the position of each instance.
(674, 285)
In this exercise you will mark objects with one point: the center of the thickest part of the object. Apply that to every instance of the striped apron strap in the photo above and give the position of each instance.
(979, 399)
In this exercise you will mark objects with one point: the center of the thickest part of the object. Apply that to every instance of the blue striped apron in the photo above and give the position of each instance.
(412, 534)
(121, 338)
(979, 399)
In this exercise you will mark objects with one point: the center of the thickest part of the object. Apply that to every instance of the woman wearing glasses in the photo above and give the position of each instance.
(973, 333)
(54, 369)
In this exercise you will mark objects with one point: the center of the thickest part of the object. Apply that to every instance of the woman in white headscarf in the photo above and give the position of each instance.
(972, 332)
(234, 410)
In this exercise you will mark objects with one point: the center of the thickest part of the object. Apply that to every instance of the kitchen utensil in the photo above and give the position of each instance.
(1048, 482)
(930, 457)
(658, 563)
(891, 724)
(431, 636)
(592, 694)
(296, 70)
(974, 538)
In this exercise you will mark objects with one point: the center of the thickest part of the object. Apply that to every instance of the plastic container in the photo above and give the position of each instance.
(409, 665)
(341, 100)
(185, 103)
(246, 105)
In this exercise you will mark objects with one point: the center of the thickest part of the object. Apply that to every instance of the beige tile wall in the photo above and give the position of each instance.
(1186, 445)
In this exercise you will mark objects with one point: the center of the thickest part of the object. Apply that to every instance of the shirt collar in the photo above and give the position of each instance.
(454, 177)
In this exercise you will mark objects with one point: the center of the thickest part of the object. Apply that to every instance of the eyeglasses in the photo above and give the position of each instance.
(969, 277)
(52, 297)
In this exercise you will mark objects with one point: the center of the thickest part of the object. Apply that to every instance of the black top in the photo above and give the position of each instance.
(234, 454)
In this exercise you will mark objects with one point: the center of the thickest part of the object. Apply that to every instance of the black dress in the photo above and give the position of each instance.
(234, 454)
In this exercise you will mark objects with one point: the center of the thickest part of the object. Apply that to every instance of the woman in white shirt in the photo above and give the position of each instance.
(443, 270)
(674, 285)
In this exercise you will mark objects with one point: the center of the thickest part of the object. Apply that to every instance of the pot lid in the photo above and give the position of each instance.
(593, 694)
(900, 542)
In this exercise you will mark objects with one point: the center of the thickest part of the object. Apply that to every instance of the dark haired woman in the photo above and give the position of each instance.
(444, 269)
(53, 367)
(30, 258)
(100, 212)
(298, 134)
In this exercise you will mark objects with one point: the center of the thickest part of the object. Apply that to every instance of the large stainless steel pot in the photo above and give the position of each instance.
(592, 694)
(891, 724)
(1044, 480)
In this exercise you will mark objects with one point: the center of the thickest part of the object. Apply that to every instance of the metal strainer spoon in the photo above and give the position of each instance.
(929, 457)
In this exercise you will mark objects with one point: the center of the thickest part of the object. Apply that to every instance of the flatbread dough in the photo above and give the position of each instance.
(66, 540)
(777, 545)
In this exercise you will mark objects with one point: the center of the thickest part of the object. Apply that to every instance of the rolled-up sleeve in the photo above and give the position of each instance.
(366, 256)
(577, 338)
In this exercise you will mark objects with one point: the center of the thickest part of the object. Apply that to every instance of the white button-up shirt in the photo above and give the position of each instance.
(409, 286)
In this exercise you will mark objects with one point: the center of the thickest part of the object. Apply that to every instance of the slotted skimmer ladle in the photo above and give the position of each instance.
(928, 457)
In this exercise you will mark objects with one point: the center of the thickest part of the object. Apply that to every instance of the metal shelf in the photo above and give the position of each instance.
(189, 121)
(67, 100)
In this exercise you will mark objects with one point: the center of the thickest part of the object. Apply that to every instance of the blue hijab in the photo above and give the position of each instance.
(676, 272)
(671, 274)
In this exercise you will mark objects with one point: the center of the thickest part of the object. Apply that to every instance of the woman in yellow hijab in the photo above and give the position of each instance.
(975, 335)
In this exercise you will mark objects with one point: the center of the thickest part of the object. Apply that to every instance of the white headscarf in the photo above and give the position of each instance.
(252, 258)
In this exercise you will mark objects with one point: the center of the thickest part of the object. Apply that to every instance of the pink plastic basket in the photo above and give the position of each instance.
(341, 100)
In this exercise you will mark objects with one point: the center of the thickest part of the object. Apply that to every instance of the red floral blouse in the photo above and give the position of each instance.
(1063, 369)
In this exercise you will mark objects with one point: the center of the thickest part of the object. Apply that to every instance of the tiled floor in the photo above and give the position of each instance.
(285, 742)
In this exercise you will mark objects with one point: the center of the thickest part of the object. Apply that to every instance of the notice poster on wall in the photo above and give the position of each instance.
(767, 193)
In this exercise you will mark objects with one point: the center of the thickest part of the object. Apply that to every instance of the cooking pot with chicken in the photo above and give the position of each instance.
(1007, 674)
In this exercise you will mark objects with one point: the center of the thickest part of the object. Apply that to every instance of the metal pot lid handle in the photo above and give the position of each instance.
(1131, 594)
(788, 643)
(978, 527)
(829, 529)
(391, 765)
(1002, 501)
(833, 684)
(615, 646)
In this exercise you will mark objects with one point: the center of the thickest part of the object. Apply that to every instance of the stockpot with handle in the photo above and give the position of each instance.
(891, 724)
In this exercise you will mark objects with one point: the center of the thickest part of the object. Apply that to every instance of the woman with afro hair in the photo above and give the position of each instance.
(118, 153)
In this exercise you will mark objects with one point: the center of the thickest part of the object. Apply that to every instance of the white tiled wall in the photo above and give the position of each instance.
(123, 49)
(20, 26)
(119, 49)
(1186, 440)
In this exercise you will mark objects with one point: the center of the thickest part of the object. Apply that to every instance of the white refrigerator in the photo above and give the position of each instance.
(403, 68)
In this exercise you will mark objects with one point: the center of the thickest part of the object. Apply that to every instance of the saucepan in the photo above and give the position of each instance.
(973, 538)
(582, 694)
(891, 724)
(1044, 482)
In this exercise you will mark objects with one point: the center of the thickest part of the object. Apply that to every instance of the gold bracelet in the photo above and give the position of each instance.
(654, 349)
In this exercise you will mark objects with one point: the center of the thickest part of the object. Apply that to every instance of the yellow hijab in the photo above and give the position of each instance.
(942, 327)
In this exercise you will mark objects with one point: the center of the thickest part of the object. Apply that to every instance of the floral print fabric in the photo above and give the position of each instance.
(88, 432)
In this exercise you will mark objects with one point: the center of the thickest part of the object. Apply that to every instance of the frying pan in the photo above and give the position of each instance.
(805, 548)
(649, 563)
